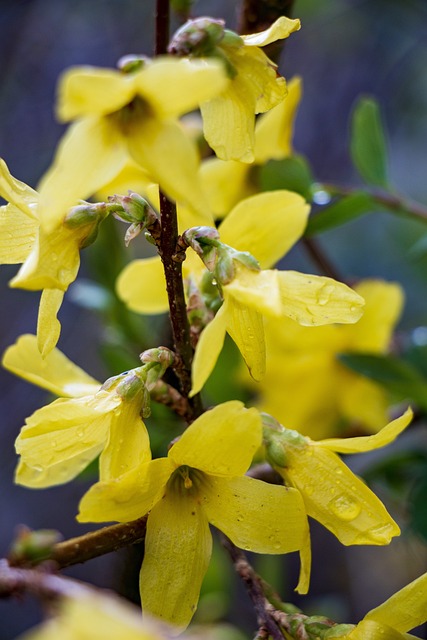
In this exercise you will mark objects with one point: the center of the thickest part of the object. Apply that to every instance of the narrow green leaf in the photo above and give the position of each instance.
(368, 144)
(399, 377)
(292, 173)
(338, 213)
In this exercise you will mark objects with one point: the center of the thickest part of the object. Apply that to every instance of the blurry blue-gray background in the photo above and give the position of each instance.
(345, 48)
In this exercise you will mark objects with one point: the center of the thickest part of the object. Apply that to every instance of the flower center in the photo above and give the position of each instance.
(186, 480)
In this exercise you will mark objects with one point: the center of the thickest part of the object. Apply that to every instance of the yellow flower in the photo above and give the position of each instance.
(200, 482)
(95, 616)
(122, 116)
(59, 440)
(332, 494)
(227, 182)
(402, 612)
(50, 259)
(305, 384)
(255, 87)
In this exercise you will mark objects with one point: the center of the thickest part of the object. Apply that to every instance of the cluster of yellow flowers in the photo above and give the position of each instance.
(126, 130)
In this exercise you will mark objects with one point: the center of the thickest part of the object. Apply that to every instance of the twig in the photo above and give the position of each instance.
(320, 258)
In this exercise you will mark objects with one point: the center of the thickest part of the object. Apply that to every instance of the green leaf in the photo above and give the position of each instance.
(397, 376)
(181, 6)
(292, 173)
(338, 213)
(418, 511)
(367, 144)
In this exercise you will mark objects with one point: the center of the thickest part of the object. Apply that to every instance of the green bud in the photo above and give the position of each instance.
(225, 269)
(232, 39)
(204, 241)
(87, 217)
(32, 547)
(197, 37)
(131, 383)
(131, 63)
(247, 259)
(133, 208)
(339, 631)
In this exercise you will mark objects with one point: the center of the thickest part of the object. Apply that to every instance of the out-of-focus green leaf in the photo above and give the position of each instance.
(367, 143)
(290, 173)
(338, 213)
(418, 511)
(417, 355)
(181, 6)
(419, 249)
(399, 377)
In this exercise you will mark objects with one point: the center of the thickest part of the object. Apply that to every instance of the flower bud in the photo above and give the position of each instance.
(197, 37)
(32, 547)
(131, 63)
(87, 217)
(133, 208)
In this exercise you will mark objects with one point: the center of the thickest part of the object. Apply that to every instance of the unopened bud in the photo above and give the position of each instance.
(197, 37)
(277, 439)
(204, 241)
(131, 63)
(133, 208)
(87, 217)
(32, 547)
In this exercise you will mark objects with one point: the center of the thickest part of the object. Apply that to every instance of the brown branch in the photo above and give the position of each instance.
(162, 26)
(320, 258)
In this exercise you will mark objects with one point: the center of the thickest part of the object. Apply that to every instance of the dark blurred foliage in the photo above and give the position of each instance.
(345, 48)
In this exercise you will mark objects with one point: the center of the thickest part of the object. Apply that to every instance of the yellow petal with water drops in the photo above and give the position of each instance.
(173, 87)
(267, 225)
(91, 153)
(18, 234)
(38, 477)
(405, 609)
(316, 300)
(53, 262)
(225, 184)
(384, 303)
(56, 372)
(371, 630)
(221, 442)
(281, 28)
(258, 290)
(260, 73)
(208, 349)
(256, 516)
(142, 286)
(164, 150)
(17, 193)
(66, 429)
(229, 121)
(91, 91)
(128, 444)
(274, 129)
(129, 497)
(48, 325)
(246, 328)
(178, 547)
(361, 444)
(362, 401)
(337, 498)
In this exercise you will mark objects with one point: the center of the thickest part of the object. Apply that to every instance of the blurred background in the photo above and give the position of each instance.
(345, 48)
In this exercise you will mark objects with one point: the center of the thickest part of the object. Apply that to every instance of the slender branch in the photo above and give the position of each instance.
(162, 26)
(320, 258)
(262, 607)
(396, 203)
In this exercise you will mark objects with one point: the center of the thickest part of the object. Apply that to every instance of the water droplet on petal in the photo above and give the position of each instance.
(345, 508)
(324, 294)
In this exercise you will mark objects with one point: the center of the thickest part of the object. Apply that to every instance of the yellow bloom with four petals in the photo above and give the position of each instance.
(201, 481)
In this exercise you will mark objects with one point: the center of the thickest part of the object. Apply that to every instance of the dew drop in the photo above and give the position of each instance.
(324, 294)
(345, 508)
(80, 433)
(38, 468)
(381, 534)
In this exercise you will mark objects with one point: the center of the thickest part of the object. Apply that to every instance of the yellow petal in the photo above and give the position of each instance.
(281, 28)
(339, 500)
(384, 302)
(48, 325)
(274, 129)
(267, 225)
(222, 441)
(64, 471)
(170, 157)
(142, 286)
(91, 153)
(208, 349)
(128, 444)
(305, 561)
(369, 443)
(70, 431)
(225, 184)
(129, 497)
(18, 193)
(256, 516)
(131, 178)
(178, 547)
(268, 88)
(91, 91)
(362, 400)
(256, 289)
(246, 328)
(53, 262)
(316, 300)
(56, 372)
(405, 609)
(17, 234)
(371, 630)
(174, 87)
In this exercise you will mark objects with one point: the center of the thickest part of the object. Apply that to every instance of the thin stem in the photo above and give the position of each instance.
(162, 26)
(396, 203)
(320, 258)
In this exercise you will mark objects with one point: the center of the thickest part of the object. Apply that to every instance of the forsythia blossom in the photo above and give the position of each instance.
(201, 481)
